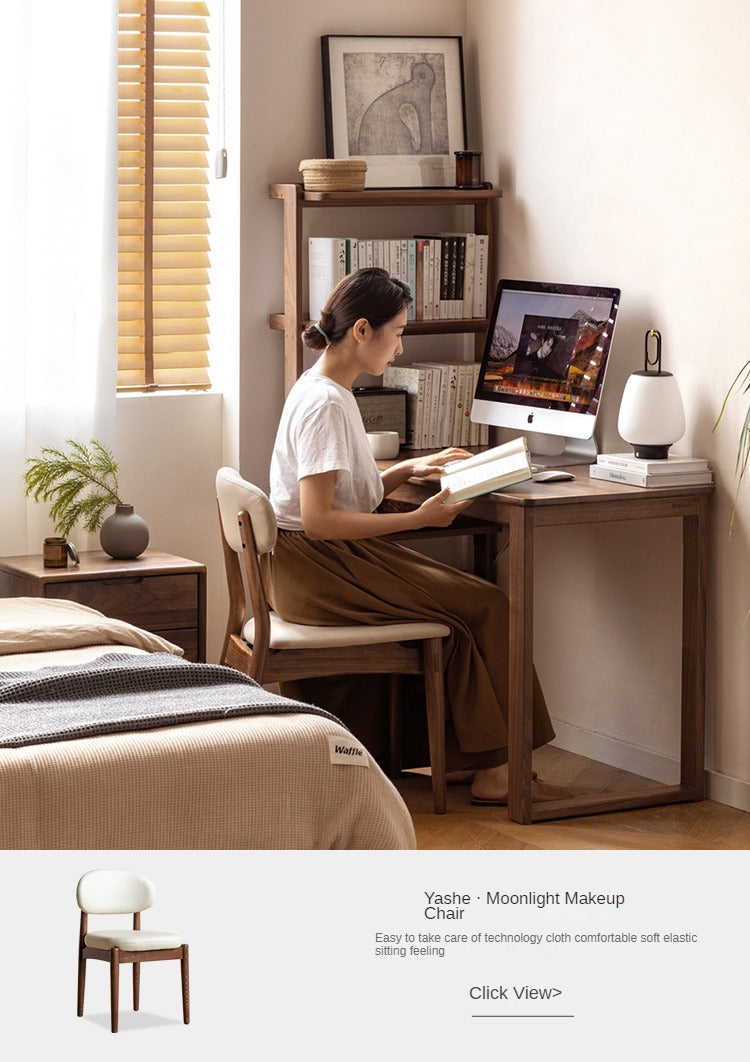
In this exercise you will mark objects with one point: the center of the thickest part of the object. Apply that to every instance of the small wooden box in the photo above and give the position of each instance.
(383, 409)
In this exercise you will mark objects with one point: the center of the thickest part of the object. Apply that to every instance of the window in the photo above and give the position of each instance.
(163, 195)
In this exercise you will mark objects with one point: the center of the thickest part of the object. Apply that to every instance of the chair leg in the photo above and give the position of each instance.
(394, 727)
(185, 976)
(136, 985)
(81, 982)
(114, 985)
(434, 683)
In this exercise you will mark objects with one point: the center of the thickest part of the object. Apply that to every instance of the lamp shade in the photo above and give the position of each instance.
(652, 416)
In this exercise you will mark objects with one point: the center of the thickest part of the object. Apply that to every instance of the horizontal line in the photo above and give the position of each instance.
(523, 1015)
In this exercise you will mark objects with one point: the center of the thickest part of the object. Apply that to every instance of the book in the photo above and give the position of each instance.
(412, 379)
(500, 466)
(647, 479)
(481, 255)
(327, 265)
(651, 466)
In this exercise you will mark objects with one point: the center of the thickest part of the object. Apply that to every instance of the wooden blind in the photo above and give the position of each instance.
(163, 202)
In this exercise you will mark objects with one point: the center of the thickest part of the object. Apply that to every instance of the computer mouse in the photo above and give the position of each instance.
(547, 475)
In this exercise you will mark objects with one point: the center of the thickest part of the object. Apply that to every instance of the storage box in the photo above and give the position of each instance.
(383, 409)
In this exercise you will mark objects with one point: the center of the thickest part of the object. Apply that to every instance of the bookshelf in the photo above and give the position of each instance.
(296, 201)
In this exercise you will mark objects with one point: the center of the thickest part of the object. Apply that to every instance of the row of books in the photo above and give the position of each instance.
(446, 272)
(438, 403)
(671, 471)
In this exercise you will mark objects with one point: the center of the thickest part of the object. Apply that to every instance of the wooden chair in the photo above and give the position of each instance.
(123, 892)
(270, 649)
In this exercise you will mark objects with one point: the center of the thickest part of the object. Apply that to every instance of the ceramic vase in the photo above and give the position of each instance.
(124, 534)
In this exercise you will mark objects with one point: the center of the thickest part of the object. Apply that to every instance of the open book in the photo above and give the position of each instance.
(501, 466)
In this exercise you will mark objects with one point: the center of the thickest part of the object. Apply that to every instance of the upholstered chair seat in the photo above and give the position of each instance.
(133, 940)
(285, 635)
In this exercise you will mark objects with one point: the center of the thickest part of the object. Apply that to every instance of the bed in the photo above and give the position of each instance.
(110, 740)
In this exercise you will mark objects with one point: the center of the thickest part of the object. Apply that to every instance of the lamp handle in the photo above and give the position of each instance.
(657, 360)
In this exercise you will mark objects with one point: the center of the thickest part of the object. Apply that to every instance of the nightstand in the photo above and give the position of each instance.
(158, 592)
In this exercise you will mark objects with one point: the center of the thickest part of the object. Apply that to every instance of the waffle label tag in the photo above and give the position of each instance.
(347, 750)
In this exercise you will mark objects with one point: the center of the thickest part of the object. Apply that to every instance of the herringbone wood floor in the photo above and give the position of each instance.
(703, 825)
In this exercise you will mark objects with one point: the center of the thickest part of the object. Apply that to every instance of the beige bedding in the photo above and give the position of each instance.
(293, 781)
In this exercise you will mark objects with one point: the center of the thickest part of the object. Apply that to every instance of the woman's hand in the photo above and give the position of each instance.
(439, 511)
(434, 464)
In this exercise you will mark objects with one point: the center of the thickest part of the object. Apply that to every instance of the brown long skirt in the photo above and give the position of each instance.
(379, 581)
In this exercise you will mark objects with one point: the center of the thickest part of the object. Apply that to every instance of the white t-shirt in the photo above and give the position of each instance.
(321, 430)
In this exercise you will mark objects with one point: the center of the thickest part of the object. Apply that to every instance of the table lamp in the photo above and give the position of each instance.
(651, 412)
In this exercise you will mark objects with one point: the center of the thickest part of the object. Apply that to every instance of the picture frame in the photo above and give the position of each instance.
(399, 104)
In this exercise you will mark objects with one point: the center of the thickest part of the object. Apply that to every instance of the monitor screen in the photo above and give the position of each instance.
(545, 357)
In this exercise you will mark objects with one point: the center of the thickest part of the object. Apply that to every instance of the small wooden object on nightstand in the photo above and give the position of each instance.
(158, 592)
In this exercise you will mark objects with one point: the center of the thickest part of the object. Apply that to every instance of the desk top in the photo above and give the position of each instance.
(594, 499)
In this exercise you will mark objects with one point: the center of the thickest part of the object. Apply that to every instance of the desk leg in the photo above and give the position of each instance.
(694, 574)
(520, 664)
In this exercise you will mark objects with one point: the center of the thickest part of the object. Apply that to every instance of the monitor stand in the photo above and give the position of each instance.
(554, 451)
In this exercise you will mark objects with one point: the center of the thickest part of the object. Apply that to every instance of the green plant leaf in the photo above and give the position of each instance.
(81, 484)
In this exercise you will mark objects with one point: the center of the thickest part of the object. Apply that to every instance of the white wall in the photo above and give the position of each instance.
(620, 134)
(283, 122)
(169, 447)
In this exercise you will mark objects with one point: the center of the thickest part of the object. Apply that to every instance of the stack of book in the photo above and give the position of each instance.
(671, 471)
(446, 273)
(438, 403)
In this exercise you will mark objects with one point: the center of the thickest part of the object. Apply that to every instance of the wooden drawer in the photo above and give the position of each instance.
(186, 638)
(155, 602)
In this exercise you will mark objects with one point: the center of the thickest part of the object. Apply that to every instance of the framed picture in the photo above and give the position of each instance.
(398, 103)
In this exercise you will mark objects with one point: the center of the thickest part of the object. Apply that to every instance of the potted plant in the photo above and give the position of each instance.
(81, 483)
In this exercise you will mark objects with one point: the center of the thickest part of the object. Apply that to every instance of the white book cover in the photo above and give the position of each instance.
(327, 266)
(475, 430)
(480, 275)
(653, 466)
(442, 371)
(645, 479)
(409, 378)
(451, 389)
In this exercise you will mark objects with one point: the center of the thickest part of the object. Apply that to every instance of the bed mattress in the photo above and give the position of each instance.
(291, 781)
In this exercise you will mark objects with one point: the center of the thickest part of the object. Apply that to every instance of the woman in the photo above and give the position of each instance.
(331, 564)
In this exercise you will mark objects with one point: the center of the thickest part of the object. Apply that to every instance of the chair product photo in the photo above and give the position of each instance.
(119, 892)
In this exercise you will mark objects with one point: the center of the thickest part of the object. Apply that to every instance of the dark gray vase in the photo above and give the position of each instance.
(124, 534)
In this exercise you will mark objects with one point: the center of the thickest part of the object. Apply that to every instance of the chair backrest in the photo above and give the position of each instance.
(114, 892)
(235, 495)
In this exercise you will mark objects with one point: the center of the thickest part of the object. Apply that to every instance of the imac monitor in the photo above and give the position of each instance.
(544, 363)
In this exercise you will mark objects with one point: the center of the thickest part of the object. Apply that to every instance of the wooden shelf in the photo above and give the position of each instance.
(296, 200)
(373, 197)
(277, 321)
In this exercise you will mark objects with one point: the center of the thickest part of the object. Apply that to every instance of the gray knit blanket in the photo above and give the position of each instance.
(120, 692)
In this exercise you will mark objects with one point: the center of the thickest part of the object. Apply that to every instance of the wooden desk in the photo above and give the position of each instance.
(157, 591)
(522, 510)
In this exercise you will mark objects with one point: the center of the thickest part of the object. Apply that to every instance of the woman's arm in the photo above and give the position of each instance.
(322, 521)
(420, 466)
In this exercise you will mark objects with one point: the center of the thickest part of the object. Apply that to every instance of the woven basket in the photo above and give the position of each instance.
(333, 175)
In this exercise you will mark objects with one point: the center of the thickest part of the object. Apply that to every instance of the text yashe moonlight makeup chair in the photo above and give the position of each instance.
(109, 892)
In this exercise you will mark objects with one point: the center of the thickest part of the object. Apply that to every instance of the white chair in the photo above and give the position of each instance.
(123, 892)
(270, 649)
